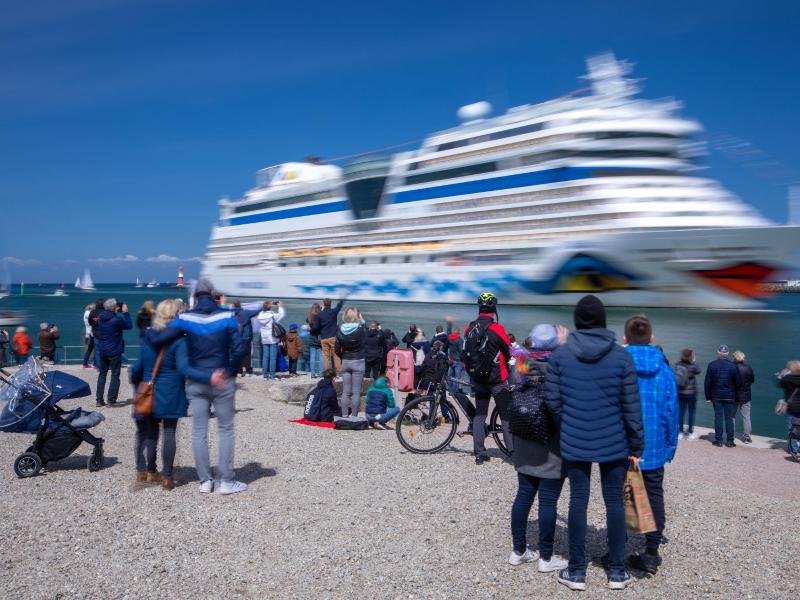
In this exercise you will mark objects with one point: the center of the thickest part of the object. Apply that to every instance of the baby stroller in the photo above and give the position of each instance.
(29, 400)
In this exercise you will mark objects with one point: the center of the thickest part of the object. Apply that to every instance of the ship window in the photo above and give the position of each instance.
(282, 202)
(301, 263)
(362, 260)
(322, 262)
(463, 171)
(497, 135)
(431, 258)
(384, 260)
(406, 259)
(341, 261)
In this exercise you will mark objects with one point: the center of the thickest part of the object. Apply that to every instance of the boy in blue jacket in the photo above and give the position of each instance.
(658, 396)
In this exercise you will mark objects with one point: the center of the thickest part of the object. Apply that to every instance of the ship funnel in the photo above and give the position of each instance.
(475, 111)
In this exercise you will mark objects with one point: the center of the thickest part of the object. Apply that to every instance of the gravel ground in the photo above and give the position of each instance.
(349, 514)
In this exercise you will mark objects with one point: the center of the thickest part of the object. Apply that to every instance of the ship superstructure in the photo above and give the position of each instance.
(591, 193)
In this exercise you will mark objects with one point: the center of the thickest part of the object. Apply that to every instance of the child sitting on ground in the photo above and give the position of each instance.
(380, 408)
(321, 403)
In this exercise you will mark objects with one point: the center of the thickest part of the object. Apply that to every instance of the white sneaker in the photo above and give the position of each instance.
(681, 436)
(556, 563)
(232, 487)
(207, 486)
(517, 559)
(692, 436)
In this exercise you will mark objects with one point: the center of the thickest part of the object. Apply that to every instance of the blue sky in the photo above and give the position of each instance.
(124, 121)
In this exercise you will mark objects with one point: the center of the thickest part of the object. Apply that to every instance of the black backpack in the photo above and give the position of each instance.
(528, 417)
(278, 331)
(478, 359)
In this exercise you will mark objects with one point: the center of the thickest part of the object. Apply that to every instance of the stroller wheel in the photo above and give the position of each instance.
(95, 462)
(27, 464)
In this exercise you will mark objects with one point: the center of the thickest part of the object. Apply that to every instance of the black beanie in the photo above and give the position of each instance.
(590, 313)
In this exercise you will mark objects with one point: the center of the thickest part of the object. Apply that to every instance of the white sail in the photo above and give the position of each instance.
(88, 284)
(78, 282)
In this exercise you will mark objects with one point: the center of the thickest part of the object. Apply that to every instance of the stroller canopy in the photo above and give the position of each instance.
(23, 394)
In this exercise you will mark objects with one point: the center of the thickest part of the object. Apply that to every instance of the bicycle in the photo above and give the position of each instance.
(427, 424)
(793, 442)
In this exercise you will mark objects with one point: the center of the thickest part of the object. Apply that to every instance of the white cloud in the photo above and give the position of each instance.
(115, 260)
(163, 258)
(20, 262)
(196, 259)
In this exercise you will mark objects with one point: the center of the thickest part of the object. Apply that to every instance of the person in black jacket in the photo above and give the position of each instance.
(322, 405)
(722, 383)
(245, 320)
(744, 395)
(374, 351)
(410, 335)
(324, 326)
(592, 393)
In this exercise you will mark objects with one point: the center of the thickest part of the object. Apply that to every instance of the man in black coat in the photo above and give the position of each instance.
(723, 381)
(324, 326)
(374, 351)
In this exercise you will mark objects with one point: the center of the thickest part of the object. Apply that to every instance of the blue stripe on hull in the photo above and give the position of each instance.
(289, 213)
(503, 182)
(491, 184)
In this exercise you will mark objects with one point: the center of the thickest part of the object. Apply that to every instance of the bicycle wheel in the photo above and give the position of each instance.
(422, 429)
(497, 431)
(793, 444)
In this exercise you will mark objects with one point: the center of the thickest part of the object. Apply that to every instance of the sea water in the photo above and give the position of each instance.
(768, 337)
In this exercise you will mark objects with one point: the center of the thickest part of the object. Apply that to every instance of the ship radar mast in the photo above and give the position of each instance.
(607, 76)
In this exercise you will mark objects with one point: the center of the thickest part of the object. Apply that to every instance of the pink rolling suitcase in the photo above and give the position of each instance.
(400, 369)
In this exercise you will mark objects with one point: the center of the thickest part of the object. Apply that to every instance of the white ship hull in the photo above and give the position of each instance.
(649, 269)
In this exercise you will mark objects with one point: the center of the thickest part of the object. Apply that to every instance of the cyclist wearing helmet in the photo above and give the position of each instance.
(486, 352)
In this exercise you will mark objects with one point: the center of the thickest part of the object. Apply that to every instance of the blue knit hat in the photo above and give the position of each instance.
(293, 327)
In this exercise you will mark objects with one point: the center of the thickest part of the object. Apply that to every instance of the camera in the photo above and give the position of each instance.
(119, 306)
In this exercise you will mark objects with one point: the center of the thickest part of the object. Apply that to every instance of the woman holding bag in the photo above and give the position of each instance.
(170, 403)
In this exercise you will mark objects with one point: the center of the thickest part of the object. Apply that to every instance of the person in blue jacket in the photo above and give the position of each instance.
(110, 345)
(215, 357)
(380, 406)
(592, 393)
(658, 396)
(722, 383)
(170, 403)
(245, 319)
(322, 404)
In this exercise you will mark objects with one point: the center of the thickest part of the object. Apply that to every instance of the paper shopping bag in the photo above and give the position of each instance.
(638, 514)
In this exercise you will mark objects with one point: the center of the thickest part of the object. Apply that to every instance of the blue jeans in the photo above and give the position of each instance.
(795, 443)
(89, 350)
(687, 403)
(454, 372)
(315, 361)
(269, 360)
(549, 491)
(384, 418)
(724, 417)
(612, 476)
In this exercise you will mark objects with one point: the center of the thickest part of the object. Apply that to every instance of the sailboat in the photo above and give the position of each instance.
(139, 284)
(85, 283)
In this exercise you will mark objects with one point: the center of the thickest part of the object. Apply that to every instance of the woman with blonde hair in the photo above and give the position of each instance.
(349, 347)
(743, 394)
(170, 403)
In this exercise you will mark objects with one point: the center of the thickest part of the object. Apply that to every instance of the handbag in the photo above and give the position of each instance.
(144, 397)
(638, 513)
(278, 330)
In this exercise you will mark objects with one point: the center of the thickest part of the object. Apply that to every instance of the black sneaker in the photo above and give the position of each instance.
(730, 444)
(717, 444)
(482, 458)
(619, 581)
(100, 403)
(644, 562)
(572, 580)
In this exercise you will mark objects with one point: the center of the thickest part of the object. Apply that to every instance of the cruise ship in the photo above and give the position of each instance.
(595, 192)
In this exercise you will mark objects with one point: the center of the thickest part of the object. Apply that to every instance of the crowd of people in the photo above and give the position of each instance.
(606, 403)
